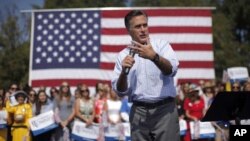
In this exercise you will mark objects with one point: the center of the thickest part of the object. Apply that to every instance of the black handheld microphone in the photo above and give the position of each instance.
(132, 53)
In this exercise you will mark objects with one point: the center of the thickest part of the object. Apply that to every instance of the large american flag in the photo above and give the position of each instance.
(81, 45)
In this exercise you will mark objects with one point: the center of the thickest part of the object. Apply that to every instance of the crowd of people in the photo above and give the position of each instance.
(192, 102)
(67, 108)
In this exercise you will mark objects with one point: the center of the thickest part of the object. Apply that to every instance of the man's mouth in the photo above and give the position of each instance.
(143, 36)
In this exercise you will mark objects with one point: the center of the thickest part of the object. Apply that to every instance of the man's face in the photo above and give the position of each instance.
(138, 29)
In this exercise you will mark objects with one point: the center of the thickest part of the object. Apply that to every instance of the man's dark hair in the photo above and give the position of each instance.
(132, 14)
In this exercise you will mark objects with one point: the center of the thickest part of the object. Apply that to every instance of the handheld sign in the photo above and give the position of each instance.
(81, 132)
(42, 123)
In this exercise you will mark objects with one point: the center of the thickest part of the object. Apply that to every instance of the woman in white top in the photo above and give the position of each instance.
(113, 106)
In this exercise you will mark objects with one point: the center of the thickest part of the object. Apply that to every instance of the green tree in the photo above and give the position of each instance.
(14, 54)
(231, 48)
(14, 65)
(82, 3)
(170, 3)
(10, 33)
(239, 13)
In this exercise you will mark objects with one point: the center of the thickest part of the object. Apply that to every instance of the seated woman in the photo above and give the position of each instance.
(22, 113)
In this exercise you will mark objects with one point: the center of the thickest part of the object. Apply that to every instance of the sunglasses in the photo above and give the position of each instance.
(101, 90)
(31, 95)
(84, 91)
(13, 88)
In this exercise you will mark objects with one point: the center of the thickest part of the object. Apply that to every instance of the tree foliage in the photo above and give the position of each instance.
(82, 3)
(10, 33)
(231, 49)
(174, 3)
(14, 65)
(14, 58)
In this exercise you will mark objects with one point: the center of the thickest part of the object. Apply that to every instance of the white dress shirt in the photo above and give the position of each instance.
(146, 82)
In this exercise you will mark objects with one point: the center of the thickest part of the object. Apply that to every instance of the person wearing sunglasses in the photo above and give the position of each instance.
(85, 107)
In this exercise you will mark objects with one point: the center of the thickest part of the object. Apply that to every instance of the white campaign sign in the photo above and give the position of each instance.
(119, 131)
(205, 128)
(238, 73)
(81, 131)
(3, 118)
(42, 122)
(183, 126)
(13, 101)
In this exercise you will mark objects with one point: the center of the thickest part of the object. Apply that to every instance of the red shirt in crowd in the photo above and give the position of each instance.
(195, 108)
(99, 104)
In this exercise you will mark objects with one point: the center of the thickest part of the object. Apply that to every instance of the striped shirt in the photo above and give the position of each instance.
(146, 82)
